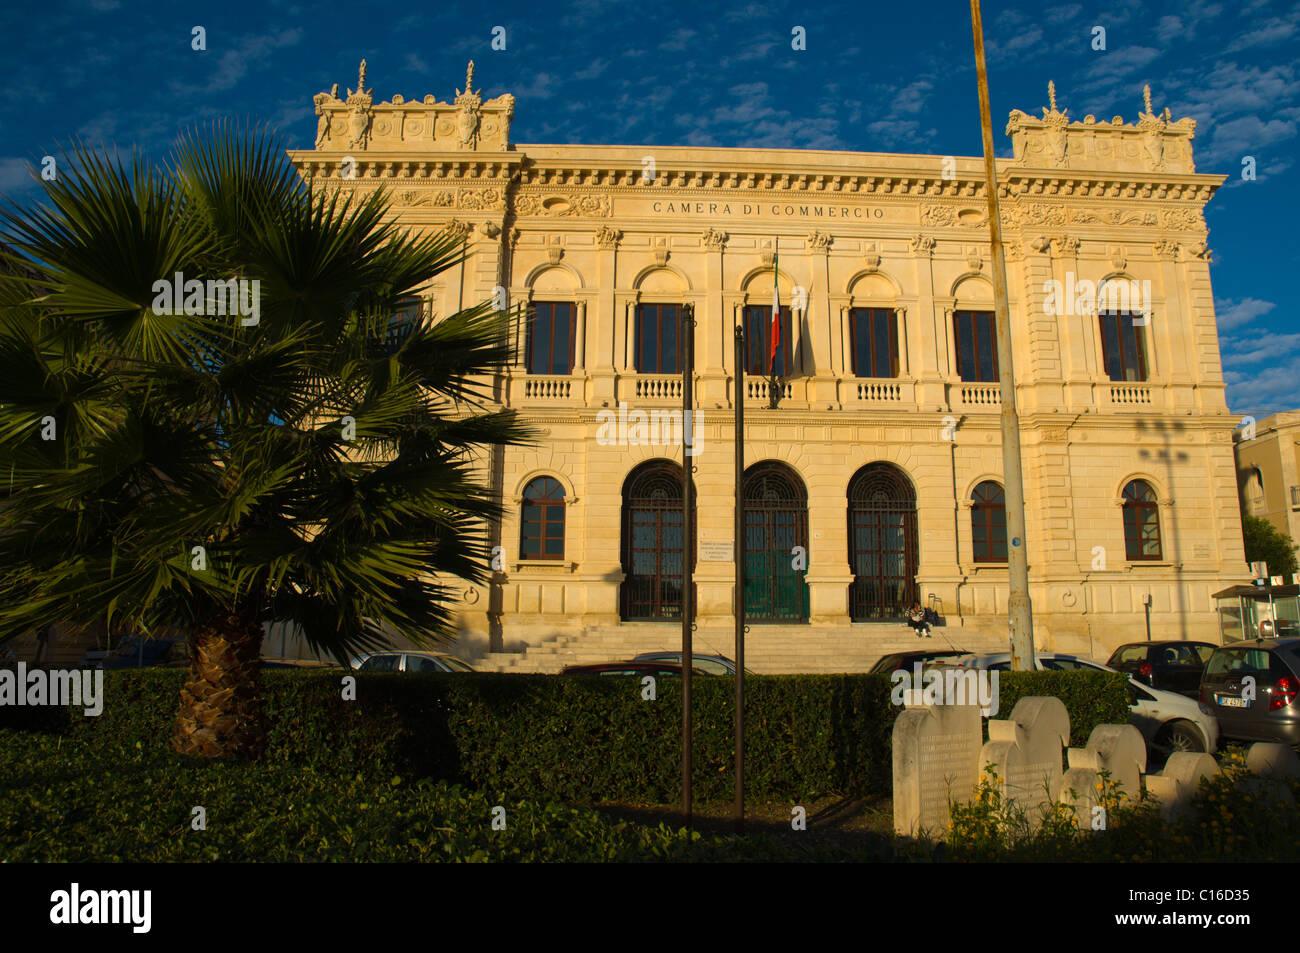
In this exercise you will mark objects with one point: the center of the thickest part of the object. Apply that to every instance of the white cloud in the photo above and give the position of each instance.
(1122, 61)
(15, 175)
(679, 39)
(235, 62)
(1252, 349)
(1265, 390)
(1232, 314)
(1272, 31)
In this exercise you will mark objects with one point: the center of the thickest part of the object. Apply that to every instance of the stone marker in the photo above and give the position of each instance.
(1274, 763)
(1025, 750)
(1178, 782)
(1118, 749)
(1272, 760)
(936, 757)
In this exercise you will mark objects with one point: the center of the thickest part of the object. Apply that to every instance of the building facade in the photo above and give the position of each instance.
(878, 479)
(1268, 470)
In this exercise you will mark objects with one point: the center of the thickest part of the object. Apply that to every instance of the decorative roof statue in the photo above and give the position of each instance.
(1153, 127)
(359, 118)
(469, 120)
(1056, 121)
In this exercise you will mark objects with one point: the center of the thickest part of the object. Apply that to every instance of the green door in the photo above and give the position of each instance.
(776, 529)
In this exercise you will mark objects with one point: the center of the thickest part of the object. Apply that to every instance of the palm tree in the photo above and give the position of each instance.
(197, 472)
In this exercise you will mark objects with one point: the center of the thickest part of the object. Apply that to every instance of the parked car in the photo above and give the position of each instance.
(1172, 665)
(708, 663)
(153, 653)
(632, 667)
(1168, 721)
(1272, 714)
(905, 660)
(1001, 662)
(410, 662)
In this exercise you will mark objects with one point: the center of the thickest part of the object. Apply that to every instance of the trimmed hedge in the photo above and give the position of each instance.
(582, 738)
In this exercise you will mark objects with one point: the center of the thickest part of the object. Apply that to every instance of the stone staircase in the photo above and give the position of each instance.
(769, 649)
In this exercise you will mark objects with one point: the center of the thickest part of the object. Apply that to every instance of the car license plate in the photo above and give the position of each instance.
(1228, 701)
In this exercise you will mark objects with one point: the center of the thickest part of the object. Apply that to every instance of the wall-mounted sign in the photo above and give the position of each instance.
(716, 551)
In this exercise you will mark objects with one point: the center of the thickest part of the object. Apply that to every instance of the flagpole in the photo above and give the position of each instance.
(1019, 607)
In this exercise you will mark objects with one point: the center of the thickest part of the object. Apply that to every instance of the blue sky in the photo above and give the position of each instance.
(874, 77)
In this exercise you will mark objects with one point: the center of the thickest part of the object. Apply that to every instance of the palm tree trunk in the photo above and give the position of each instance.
(220, 714)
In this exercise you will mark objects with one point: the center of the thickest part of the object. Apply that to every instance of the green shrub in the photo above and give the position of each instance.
(583, 738)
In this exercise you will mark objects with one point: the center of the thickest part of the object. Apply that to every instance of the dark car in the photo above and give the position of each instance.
(630, 667)
(1172, 665)
(138, 652)
(905, 660)
(1252, 689)
(707, 662)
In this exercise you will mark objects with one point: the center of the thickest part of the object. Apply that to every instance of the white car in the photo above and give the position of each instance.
(410, 662)
(1168, 721)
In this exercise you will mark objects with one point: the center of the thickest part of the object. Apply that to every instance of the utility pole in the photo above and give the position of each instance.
(1020, 611)
(738, 551)
(688, 549)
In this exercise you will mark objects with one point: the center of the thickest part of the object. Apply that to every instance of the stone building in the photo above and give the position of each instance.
(883, 458)
(1268, 470)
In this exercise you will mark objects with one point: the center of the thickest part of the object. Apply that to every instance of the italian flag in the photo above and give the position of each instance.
(775, 334)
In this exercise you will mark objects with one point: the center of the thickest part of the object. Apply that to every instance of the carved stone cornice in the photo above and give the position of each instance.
(608, 238)
(1066, 245)
(714, 239)
(1154, 144)
(871, 257)
(460, 230)
(922, 246)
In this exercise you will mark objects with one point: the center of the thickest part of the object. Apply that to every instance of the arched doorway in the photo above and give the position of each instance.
(652, 543)
(776, 521)
(882, 544)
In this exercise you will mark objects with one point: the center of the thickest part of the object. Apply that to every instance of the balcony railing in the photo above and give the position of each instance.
(756, 388)
(548, 387)
(887, 392)
(980, 395)
(659, 387)
(1138, 394)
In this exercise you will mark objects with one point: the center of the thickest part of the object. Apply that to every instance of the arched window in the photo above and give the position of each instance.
(882, 544)
(652, 543)
(542, 534)
(988, 523)
(1254, 492)
(1141, 521)
(776, 521)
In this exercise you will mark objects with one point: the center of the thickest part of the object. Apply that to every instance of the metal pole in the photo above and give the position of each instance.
(738, 807)
(688, 539)
(1020, 611)
(1147, 605)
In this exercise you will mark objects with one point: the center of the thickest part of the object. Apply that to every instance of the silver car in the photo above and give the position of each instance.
(1168, 721)
(410, 662)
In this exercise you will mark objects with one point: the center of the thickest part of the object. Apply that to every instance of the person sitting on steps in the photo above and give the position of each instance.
(916, 619)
